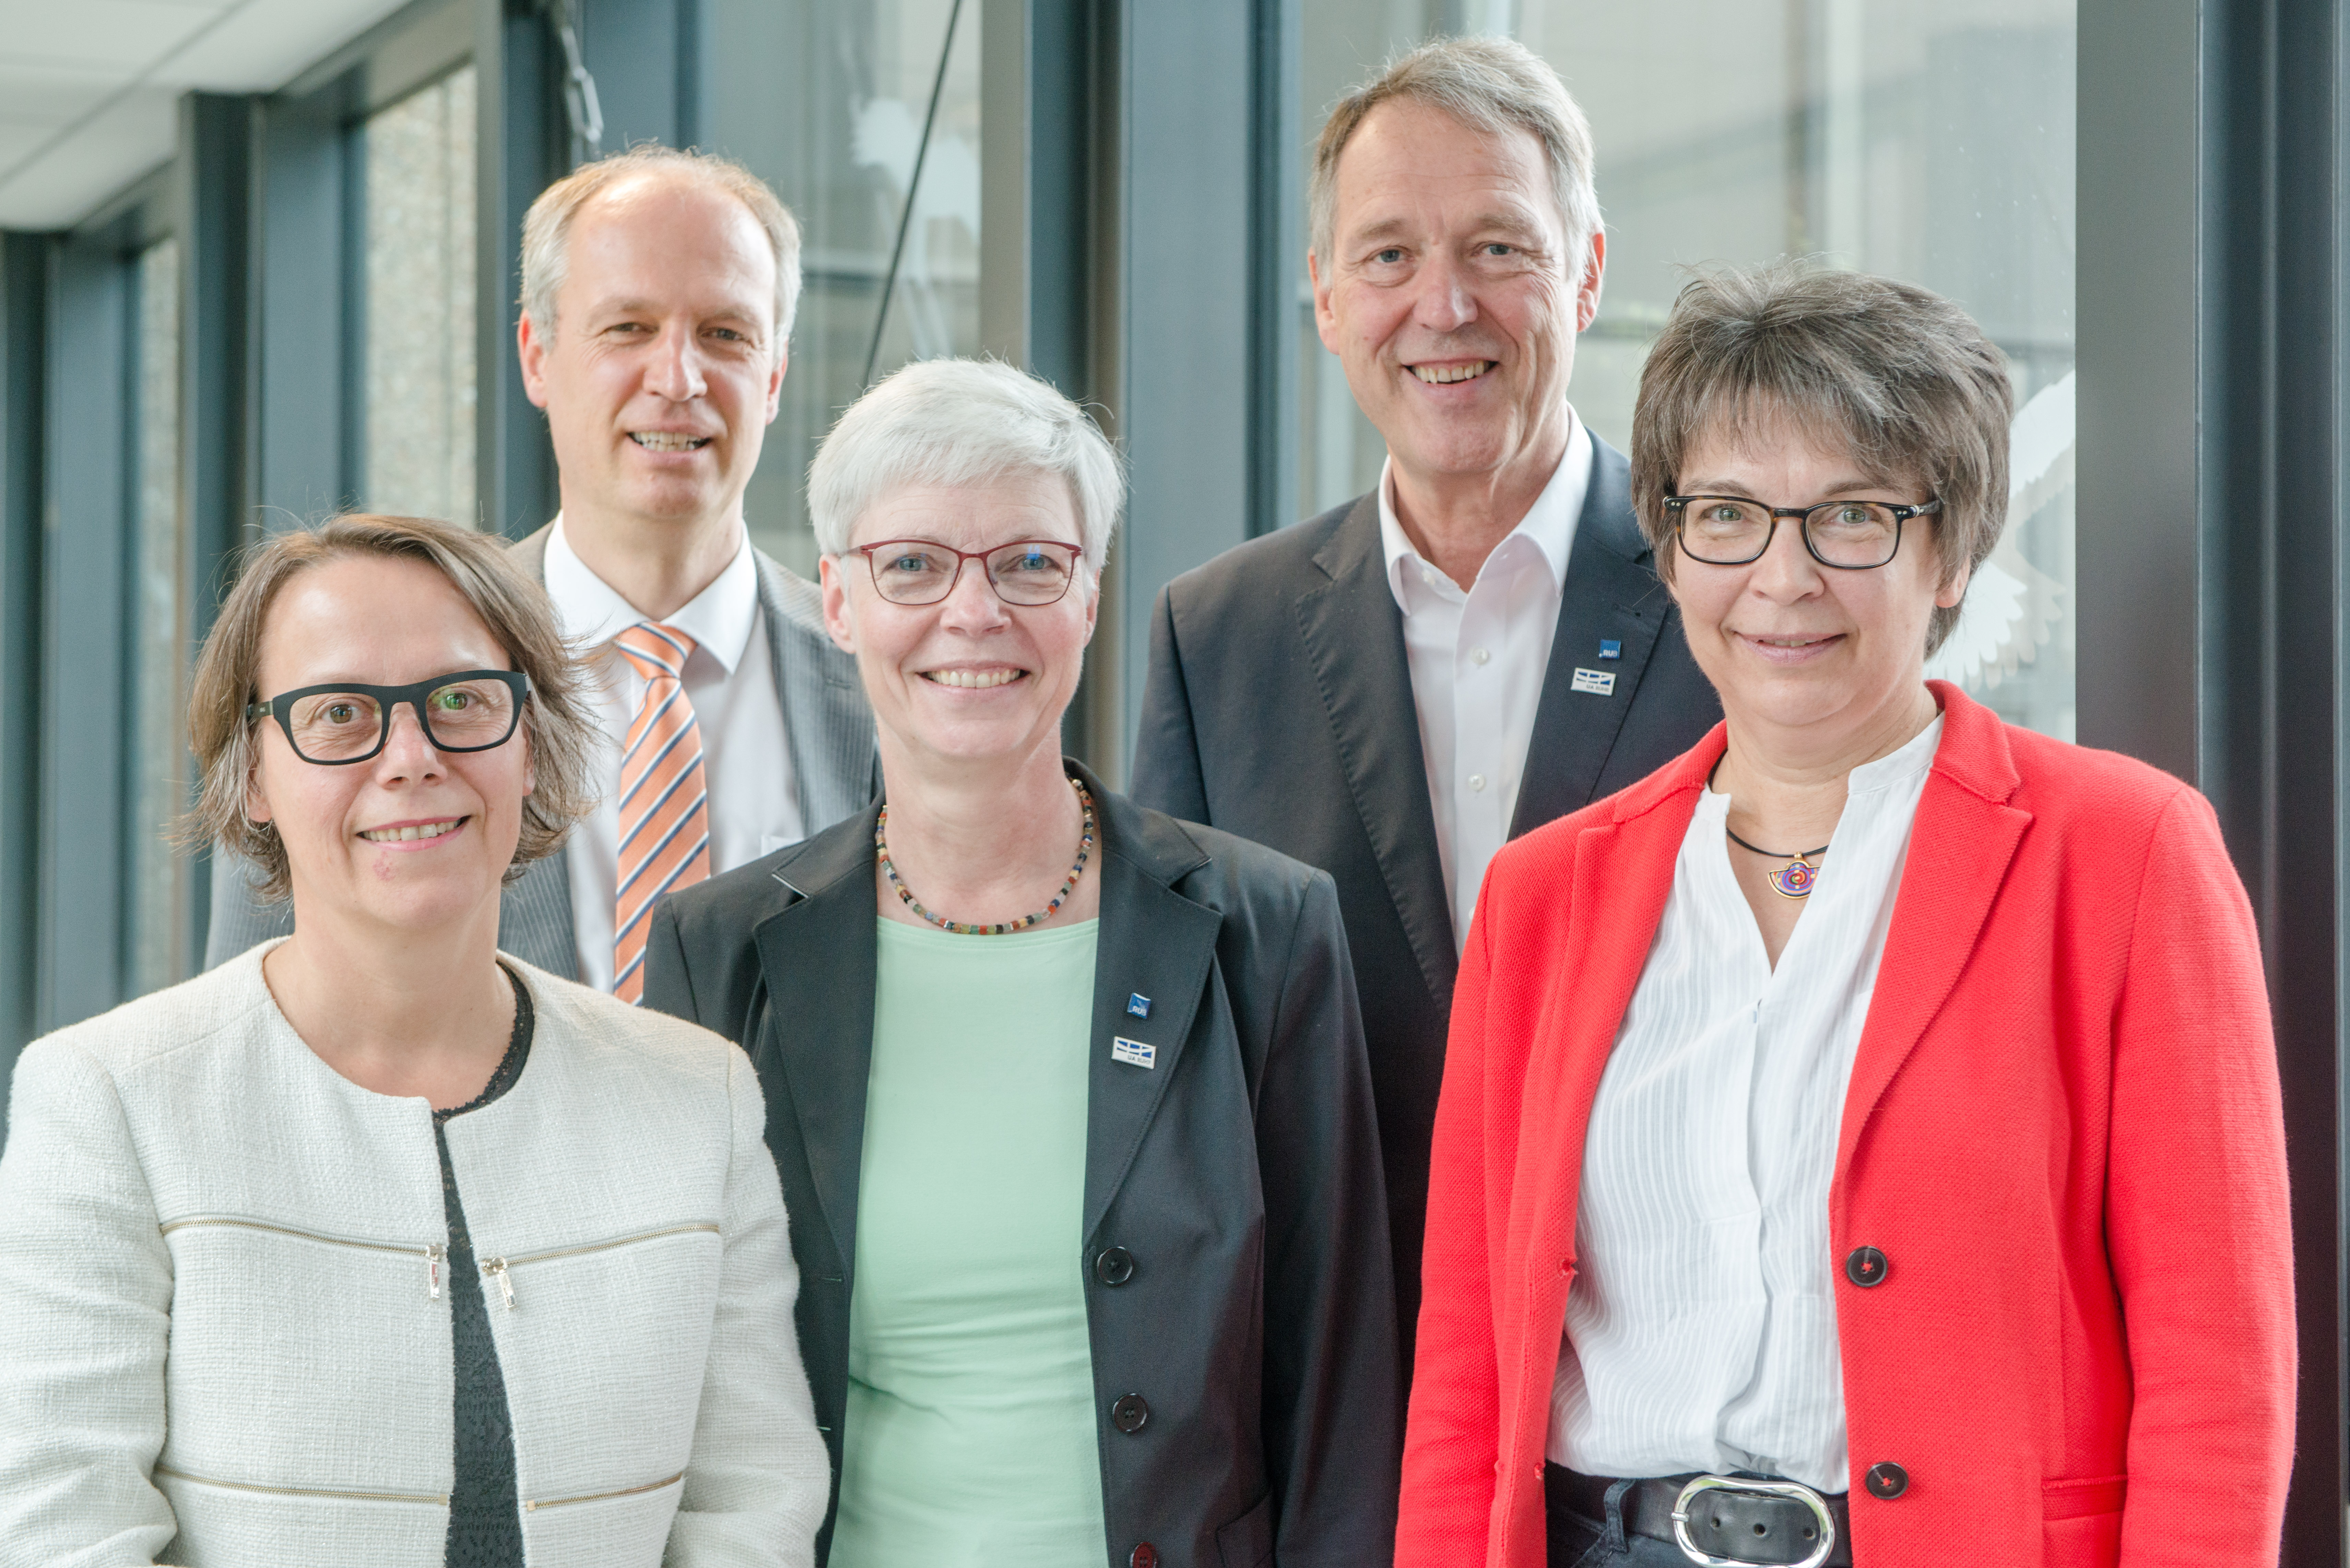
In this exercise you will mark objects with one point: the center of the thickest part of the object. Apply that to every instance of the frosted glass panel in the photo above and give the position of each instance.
(420, 381)
(160, 910)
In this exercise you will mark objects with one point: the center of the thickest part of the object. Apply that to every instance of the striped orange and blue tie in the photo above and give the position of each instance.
(664, 805)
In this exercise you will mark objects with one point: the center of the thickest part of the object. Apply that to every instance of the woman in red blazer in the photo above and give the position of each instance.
(1946, 1224)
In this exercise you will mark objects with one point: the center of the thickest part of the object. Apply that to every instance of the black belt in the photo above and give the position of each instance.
(1731, 1521)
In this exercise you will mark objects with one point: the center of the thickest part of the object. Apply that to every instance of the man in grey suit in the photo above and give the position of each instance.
(1394, 688)
(657, 293)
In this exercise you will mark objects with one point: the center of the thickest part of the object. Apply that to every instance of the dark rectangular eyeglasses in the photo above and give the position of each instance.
(1732, 530)
(471, 711)
(923, 571)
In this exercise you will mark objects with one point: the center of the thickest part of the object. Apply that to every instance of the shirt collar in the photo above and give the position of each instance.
(720, 618)
(1547, 531)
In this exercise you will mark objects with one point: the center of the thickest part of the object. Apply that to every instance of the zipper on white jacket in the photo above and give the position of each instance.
(306, 1490)
(497, 1268)
(433, 1252)
(601, 1496)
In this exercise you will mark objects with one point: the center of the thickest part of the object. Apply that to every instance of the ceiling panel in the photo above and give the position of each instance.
(77, 173)
(49, 97)
(124, 36)
(88, 87)
(267, 43)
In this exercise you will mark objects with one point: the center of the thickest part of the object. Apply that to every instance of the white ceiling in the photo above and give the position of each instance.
(88, 87)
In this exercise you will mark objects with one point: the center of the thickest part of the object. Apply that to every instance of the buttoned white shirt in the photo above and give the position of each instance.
(1701, 1328)
(1477, 659)
(746, 759)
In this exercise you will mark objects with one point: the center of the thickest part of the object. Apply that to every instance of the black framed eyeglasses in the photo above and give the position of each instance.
(471, 711)
(1028, 572)
(1732, 530)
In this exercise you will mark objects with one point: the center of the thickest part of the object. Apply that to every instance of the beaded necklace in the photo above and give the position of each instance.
(1003, 928)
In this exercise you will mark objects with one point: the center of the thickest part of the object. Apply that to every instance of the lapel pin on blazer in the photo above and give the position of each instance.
(1133, 1053)
(1609, 647)
(1139, 1004)
(1598, 682)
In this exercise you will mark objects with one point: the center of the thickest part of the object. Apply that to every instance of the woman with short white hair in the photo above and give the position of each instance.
(1070, 1099)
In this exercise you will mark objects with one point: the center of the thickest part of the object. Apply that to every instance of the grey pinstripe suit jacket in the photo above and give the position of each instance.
(826, 722)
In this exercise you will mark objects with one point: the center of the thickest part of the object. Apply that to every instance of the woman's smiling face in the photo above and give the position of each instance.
(1788, 643)
(414, 836)
(968, 677)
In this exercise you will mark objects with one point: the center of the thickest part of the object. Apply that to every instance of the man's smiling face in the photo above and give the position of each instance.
(662, 370)
(1448, 294)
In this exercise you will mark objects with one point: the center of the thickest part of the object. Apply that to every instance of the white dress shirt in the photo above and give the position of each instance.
(747, 757)
(1477, 661)
(1701, 1328)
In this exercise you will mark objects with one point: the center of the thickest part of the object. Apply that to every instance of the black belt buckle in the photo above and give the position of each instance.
(1795, 1490)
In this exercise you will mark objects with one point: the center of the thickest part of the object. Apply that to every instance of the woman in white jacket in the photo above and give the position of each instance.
(373, 1246)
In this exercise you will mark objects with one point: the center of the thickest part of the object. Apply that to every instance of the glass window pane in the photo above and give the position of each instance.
(160, 911)
(837, 135)
(419, 386)
(1932, 142)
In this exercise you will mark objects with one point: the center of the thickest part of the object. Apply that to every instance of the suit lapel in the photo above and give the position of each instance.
(820, 958)
(1622, 876)
(1964, 837)
(1152, 942)
(1611, 592)
(535, 920)
(827, 722)
(1354, 634)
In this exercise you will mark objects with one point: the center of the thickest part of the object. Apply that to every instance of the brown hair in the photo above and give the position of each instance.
(1898, 376)
(555, 719)
(1493, 86)
(546, 227)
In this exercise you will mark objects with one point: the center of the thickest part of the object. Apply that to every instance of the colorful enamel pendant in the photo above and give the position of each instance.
(1796, 878)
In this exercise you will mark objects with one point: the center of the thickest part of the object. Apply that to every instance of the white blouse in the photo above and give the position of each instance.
(1700, 1329)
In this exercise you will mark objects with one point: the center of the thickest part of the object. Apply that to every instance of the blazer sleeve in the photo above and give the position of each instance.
(758, 1481)
(2199, 1221)
(1333, 1394)
(85, 1325)
(1454, 1437)
(1166, 774)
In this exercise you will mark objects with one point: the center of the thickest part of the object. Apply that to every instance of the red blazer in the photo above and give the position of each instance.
(2062, 1130)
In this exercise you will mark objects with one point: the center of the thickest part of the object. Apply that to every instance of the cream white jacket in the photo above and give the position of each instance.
(224, 1331)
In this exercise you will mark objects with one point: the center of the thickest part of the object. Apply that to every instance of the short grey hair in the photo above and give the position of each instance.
(546, 227)
(1493, 86)
(961, 423)
(1898, 376)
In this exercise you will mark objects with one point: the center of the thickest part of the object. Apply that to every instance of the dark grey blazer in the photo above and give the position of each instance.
(1238, 1177)
(1279, 708)
(825, 723)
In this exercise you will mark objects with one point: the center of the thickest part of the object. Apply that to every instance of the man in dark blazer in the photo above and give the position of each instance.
(1480, 645)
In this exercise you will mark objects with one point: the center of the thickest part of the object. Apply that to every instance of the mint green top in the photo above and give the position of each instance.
(970, 1435)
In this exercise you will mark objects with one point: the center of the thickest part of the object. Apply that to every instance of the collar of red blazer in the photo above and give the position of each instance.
(1966, 835)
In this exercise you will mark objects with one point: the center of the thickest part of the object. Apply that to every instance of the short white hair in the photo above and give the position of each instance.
(955, 422)
(546, 227)
(1493, 86)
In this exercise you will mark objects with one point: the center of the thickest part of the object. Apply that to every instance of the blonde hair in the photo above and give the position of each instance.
(556, 720)
(1903, 379)
(546, 227)
(1493, 86)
